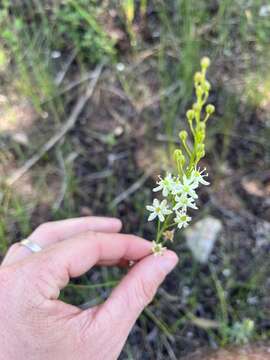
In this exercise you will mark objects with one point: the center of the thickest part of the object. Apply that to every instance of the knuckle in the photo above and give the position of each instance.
(13, 248)
(144, 291)
(44, 279)
(11, 251)
(44, 228)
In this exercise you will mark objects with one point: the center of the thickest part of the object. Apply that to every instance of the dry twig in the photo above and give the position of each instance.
(68, 125)
(133, 188)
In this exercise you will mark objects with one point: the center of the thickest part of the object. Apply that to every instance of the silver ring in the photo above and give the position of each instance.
(30, 245)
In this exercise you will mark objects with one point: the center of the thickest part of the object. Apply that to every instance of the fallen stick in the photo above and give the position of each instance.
(132, 189)
(62, 132)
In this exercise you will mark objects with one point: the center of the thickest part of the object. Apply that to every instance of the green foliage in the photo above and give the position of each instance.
(78, 25)
(241, 332)
(33, 75)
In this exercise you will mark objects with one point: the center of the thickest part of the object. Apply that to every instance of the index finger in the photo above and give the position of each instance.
(55, 231)
(75, 256)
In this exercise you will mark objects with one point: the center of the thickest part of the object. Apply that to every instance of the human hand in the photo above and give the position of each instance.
(36, 325)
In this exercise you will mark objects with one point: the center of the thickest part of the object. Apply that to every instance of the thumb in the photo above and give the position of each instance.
(135, 292)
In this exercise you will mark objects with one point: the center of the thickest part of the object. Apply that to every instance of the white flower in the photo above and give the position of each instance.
(158, 249)
(182, 219)
(158, 209)
(186, 187)
(184, 201)
(165, 185)
(198, 176)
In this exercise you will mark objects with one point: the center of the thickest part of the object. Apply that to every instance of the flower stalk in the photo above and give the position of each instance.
(179, 190)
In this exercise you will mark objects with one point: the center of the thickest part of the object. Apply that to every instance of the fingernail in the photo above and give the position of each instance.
(168, 261)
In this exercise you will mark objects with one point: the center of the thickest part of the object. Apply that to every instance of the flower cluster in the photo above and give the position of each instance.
(179, 191)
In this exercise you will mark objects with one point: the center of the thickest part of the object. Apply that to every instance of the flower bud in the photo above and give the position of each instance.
(190, 115)
(183, 135)
(210, 109)
(196, 107)
(199, 91)
(207, 85)
(201, 126)
(200, 151)
(179, 157)
(205, 62)
(198, 77)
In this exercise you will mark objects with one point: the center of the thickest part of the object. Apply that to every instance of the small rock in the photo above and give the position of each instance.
(201, 237)
(55, 54)
(120, 67)
(264, 10)
(20, 138)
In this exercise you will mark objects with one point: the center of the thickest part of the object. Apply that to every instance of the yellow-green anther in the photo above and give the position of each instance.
(205, 62)
(210, 109)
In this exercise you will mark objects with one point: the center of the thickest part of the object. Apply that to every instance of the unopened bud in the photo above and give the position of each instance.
(205, 62)
(198, 77)
(201, 126)
(190, 114)
(207, 85)
(183, 135)
(199, 91)
(200, 150)
(179, 156)
(196, 107)
(210, 109)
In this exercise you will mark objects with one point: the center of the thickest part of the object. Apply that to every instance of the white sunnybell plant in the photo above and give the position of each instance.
(179, 191)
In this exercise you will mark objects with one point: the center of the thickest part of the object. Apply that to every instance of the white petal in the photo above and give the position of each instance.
(163, 203)
(150, 208)
(152, 216)
(204, 182)
(177, 206)
(165, 192)
(156, 202)
(161, 217)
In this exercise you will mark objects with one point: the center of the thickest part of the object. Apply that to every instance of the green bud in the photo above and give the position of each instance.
(207, 85)
(199, 91)
(190, 114)
(201, 126)
(179, 157)
(196, 107)
(183, 135)
(201, 132)
(205, 62)
(210, 109)
(198, 77)
(201, 136)
(200, 151)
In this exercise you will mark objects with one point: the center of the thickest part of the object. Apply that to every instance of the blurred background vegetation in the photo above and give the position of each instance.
(92, 97)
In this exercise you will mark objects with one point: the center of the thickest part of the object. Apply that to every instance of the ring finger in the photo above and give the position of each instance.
(55, 231)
